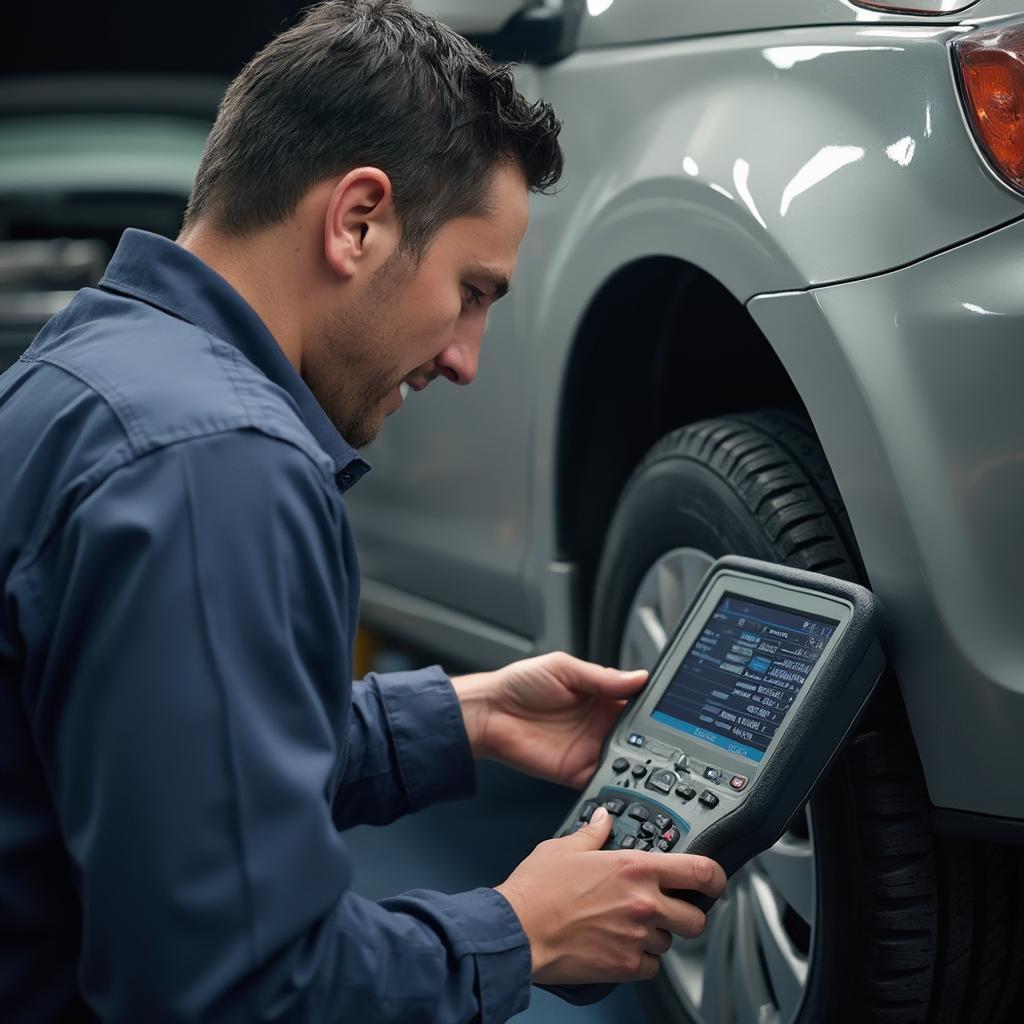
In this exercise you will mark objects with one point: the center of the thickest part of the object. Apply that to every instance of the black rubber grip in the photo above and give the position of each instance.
(698, 899)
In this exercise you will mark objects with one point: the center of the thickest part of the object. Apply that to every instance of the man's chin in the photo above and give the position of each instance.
(358, 433)
(366, 430)
(361, 430)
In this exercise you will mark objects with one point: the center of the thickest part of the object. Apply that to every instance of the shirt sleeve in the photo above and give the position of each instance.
(407, 748)
(193, 684)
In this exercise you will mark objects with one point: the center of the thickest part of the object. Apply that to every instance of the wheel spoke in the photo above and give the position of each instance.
(679, 573)
(716, 1003)
(694, 567)
(654, 629)
(789, 866)
(645, 637)
(787, 968)
(662, 597)
(754, 1003)
(670, 593)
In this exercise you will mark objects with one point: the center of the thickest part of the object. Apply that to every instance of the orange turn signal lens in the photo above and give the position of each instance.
(991, 66)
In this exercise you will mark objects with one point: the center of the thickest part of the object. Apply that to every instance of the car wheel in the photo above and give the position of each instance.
(859, 913)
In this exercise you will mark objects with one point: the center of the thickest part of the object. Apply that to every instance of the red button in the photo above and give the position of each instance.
(669, 838)
(738, 782)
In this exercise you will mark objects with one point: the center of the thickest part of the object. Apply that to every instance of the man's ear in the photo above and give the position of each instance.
(360, 228)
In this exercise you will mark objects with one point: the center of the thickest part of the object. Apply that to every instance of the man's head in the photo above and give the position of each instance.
(385, 162)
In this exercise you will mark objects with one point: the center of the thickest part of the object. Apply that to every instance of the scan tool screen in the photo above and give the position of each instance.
(742, 675)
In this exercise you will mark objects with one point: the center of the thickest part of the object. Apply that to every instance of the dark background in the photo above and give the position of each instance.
(141, 36)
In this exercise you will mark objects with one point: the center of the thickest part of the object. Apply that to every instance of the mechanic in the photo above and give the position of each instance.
(181, 742)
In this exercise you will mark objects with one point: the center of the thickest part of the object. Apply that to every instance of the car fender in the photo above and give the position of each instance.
(773, 161)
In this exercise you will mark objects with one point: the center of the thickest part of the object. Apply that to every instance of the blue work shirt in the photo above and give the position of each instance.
(181, 742)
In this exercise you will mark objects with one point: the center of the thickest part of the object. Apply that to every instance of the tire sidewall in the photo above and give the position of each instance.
(673, 502)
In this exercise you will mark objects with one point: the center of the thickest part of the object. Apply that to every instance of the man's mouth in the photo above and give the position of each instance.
(415, 384)
(403, 389)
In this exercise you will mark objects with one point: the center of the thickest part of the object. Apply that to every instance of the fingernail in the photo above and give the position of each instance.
(598, 816)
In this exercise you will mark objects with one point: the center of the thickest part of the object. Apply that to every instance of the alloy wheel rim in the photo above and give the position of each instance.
(752, 963)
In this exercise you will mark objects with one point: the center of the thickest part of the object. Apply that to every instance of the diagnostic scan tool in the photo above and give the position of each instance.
(753, 696)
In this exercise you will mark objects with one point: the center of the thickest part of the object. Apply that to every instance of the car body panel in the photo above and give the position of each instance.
(447, 514)
(619, 22)
(711, 151)
(913, 380)
(795, 133)
(622, 22)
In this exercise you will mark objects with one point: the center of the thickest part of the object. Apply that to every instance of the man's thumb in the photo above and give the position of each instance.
(594, 834)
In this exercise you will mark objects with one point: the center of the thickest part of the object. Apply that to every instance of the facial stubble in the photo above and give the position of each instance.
(354, 365)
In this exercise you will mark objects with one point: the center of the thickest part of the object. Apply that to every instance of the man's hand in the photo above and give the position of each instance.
(547, 716)
(595, 915)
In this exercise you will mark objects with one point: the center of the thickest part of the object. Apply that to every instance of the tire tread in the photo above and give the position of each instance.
(768, 457)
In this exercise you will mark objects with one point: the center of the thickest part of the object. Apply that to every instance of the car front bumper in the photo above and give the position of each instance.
(913, 380)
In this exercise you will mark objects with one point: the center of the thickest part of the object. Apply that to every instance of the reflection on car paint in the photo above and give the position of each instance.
(901, 151)
(785, 57)
(740, 177)
(822, 165)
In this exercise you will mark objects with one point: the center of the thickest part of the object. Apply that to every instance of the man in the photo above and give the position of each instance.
(181, 744)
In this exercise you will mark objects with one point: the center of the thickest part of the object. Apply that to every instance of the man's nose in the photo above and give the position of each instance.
(458, 361)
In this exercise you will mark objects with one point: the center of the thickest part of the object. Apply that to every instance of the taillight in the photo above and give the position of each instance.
(991, 72)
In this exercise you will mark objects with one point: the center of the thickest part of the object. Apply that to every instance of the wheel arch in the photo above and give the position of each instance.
(620, 396)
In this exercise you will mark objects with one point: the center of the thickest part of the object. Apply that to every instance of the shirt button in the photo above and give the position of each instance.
(345, 478)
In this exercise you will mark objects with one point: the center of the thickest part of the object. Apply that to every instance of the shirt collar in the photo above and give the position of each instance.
(166, 275)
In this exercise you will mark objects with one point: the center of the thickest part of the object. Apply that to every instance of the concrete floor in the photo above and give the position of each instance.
(458, 846)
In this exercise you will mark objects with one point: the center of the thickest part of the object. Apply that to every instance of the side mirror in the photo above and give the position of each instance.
(538, 31)
(541, 34)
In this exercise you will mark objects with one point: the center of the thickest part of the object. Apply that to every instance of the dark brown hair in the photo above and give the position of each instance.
(374, 83)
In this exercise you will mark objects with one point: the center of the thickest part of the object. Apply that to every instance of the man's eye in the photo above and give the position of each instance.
(473, 296)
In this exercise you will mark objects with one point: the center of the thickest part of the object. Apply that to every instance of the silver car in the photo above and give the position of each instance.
(777, 309)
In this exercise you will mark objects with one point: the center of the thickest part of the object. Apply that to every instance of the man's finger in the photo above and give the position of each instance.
(680, 918)
(594, 834)
(659, 942)
(649, 967)
(686, 871)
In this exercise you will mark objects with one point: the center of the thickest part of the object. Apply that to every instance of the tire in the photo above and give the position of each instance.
(903, 925)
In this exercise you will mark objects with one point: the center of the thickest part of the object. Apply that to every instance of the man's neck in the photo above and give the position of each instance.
(256, 270)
